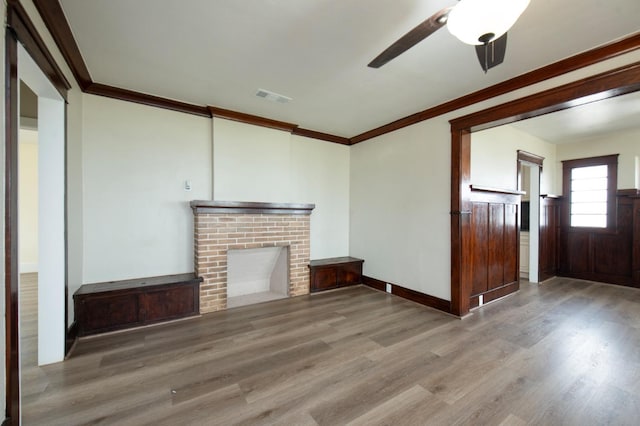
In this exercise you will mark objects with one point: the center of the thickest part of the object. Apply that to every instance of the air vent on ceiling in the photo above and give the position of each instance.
(273, 97)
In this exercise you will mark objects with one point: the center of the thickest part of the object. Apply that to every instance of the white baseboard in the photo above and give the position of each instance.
(28, 267)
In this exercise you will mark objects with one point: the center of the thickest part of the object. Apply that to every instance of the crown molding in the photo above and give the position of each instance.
(608, 84)
(55, 21)
(53, 15)
(20, 24)
(145, 99)
(251, 119)
(564, 66)
(321, 136)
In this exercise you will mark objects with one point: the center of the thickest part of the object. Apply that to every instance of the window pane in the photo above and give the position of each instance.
(592, 221)
(589, 208)
(589, 184)
(589, 172)
(589, 196)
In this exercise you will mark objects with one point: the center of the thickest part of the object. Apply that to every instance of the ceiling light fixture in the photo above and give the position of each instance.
(482, 21)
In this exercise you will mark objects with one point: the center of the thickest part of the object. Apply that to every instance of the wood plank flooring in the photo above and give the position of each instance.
(563, 352)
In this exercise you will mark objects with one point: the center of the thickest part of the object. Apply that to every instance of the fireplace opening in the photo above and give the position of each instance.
(257, 275)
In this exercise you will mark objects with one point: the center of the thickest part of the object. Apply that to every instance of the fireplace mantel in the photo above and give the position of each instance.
(244, 207)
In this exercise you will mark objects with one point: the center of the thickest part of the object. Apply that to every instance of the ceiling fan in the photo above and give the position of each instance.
(483, 23)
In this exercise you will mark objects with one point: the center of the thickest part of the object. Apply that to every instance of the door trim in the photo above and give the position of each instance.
(606, 85)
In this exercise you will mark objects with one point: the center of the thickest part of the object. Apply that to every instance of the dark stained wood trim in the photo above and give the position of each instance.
(373, 283)
(495, 294)
(53, 16)
(602, 86)
(144, 99)
(56, 22)
(606, 85)
(529, 157)
(631, 192)
(206, 206)
(460, 222)
(18, 20)
(564, 66)
(11, 278)
(321, 136)
(251, 119)
(406, 293)
(496, 190)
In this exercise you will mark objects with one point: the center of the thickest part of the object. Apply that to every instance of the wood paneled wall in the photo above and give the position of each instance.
(610, 256)
(549, 237)
(494, 244)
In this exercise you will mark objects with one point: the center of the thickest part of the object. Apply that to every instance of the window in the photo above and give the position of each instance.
(590, 185)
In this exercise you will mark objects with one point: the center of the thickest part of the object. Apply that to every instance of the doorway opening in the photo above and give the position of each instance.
(602, 86)
(36, 211)
(529, 170)
(28, 236)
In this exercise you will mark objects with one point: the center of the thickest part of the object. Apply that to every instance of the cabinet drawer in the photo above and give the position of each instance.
(168, 304)
(108, 312)
(335, 272)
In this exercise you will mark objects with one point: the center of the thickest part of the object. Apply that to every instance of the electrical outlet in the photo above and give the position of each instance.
(187, 185)
(388, 288)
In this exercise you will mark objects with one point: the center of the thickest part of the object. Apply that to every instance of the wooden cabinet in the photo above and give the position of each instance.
(117, 305)
(335, 272)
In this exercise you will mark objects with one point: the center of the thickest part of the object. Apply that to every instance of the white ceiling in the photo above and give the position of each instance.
(585, 122)
(219, 52)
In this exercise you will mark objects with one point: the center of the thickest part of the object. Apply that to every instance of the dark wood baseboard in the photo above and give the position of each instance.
(72, 335)
(495, 294)
(406, 293)
(601, 278)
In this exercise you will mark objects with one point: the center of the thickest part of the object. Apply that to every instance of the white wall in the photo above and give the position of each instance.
(28, 200)
(400, 194)
(75, 221)
(254, 163)
(51, 226)
(400, 197)
(494, 157)
(626, 143)
(136, 159)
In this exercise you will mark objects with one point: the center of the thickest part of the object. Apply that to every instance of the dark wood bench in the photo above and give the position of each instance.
(124, 304)
(335, 272)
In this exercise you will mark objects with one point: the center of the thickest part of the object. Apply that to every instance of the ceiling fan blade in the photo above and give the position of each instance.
(413, 37)
(492, 53)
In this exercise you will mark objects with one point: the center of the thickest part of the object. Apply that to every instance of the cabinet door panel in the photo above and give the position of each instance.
(169, 303)
(350, 274)
(110, 312)
(325, 278)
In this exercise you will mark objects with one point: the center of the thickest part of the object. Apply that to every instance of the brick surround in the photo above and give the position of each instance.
(223, 226)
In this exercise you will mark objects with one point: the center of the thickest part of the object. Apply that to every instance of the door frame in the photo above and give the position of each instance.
(528, 159)
(608, 84)
(21, 30)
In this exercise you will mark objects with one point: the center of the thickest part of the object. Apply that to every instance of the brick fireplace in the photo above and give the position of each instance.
(220, 226)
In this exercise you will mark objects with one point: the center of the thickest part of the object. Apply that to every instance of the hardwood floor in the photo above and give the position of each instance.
(563, 352)
(32, 378)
